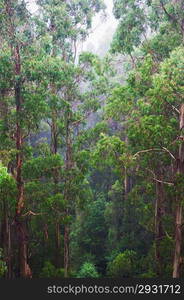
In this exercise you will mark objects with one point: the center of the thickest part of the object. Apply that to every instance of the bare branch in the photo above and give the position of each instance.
(165, 149)
(25, 136)
(158, 180)
(31, 213)
(168, 236)
(82, 119)
(147, 150)
(164, 182)
(47, 121)
(173, 107)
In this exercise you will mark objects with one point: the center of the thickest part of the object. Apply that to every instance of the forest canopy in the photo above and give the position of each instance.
(91, 147)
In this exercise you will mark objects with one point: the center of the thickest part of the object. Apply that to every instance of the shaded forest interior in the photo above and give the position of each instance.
(91, 147)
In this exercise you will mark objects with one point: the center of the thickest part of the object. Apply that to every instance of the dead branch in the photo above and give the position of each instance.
(31, 213)
(158, 180)
(165, 149)
(147, 150)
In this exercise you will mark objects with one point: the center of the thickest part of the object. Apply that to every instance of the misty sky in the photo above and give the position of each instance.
(102, 30)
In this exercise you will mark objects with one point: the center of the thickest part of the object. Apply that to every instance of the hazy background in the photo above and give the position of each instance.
(101, 33)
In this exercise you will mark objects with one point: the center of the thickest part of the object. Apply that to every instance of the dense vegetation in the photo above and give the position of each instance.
(91, 161)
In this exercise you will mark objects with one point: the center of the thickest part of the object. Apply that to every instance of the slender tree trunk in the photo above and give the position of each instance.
(54, 132)
(127, 183)
(178, 238)
(66, 251)
(19, 223)
(68, 167)
(25, 270)
(45, 241)
(159, 232)
(54, 150)
(178, 241)
(179, 205)
(9, 252)
(58, 245)
(20, 226)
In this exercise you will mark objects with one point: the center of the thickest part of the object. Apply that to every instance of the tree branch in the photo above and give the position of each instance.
(173, 107)
(157, 150)
(171, 17)
(31, 213)
(164, 182)
(165, 149)
(47, 121)
(147, 150)
(82, 119)
(158, 180)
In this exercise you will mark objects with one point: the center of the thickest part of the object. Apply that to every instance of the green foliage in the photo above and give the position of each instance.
(87, 270)
(160, 45)
(3, 174)
(50, 271)
(6, 72)
(3, 267)
(149, 274)
(89, 234)
(123, 265)
(136, 19)
(42, 166)
(7, 186)
(89, 150)
(131, 27)
(109, 148)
